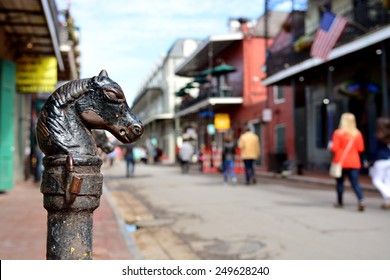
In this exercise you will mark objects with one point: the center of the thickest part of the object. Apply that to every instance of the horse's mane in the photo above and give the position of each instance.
(70, 91)
(51, 125)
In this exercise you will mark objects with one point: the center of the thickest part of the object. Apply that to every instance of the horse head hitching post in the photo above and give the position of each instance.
(71, 180)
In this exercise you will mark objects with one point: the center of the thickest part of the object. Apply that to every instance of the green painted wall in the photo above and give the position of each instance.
(7, 135)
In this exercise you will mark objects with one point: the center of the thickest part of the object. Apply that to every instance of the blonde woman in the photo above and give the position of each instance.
(347, 144)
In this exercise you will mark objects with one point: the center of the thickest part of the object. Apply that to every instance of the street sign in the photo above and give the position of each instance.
(36, 74)
(211, 129)
(267, 115)
(222, 121)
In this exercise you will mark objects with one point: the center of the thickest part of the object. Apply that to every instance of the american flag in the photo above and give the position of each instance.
(330, 30)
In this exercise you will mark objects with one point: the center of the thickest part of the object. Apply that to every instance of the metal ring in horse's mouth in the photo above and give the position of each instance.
(122, 132)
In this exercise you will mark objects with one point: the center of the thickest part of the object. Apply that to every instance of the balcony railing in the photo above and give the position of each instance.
(363, 18)
(215, 92)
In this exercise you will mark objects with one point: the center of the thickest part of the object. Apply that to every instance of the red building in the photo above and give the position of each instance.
(228, 71)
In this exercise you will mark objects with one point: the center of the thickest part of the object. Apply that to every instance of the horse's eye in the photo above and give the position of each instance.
(111, 94)
(120, 96)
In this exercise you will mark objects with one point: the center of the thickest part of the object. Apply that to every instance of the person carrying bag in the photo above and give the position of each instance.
(336, 168)
(347, 144)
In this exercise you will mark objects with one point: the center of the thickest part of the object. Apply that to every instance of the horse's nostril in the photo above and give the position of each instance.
(137, 129)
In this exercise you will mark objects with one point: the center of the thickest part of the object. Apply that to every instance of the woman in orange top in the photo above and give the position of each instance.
(351, 163)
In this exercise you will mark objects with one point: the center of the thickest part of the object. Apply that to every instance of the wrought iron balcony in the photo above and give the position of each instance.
(363, 18)
(222, 93)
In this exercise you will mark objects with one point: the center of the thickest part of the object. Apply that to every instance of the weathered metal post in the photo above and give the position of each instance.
(72, 181)
(70, 200)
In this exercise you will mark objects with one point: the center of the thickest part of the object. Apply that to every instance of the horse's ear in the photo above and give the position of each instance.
(103, 73)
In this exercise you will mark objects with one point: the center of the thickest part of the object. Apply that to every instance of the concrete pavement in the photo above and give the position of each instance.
(195, 216)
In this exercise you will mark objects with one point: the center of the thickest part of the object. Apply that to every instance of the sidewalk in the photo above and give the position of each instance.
(23, 227)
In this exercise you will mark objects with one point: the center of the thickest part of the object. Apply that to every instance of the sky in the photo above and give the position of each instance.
(128, 37)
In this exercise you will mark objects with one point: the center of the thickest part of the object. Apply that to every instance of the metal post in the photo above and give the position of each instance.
(210, 62)
(71, 181)
(385, 94)
(69, 220)
(331, 106)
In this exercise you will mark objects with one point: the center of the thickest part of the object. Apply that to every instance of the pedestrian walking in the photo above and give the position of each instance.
(249, 145)
(151, 151)
(129, 159)
(200, 159)
(38, 164)
(112, 156)
(347, 144)
(380, 171)
(186, 152)
(228, 154)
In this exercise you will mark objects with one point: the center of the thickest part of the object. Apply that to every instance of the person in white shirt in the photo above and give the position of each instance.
(186, 153)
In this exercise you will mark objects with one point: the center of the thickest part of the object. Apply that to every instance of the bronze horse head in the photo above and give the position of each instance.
(65, 121)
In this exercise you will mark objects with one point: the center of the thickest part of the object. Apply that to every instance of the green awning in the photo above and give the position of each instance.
(184, 90)
(206, 72)
(181, 92)
(200, 80)
(218, 70)
(189, 85)
(223, 69)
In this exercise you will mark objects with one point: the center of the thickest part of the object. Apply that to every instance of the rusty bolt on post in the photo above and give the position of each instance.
(71, 180)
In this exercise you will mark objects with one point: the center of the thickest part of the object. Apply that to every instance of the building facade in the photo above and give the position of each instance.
(30, 30)
(156, 101)
(354, 78)
(238, 93)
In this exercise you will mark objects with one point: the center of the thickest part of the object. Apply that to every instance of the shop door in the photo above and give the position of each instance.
(7, 100)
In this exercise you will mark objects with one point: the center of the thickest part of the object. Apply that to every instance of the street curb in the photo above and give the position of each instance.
(131, 245)
(314, 180)
(300, 179)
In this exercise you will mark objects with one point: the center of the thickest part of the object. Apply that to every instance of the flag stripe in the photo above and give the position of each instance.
(325, 40)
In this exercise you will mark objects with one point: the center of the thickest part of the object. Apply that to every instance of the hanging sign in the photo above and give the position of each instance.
(267, 115)
(222, 121)
(211, 129)
(36, 74)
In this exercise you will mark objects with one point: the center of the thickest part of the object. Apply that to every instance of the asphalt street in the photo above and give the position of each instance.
(170, 215)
